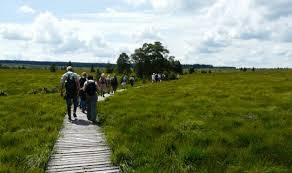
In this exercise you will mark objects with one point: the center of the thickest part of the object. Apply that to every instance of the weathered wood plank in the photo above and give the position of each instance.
(81, 147)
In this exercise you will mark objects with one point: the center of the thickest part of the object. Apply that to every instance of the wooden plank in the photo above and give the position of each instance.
(81, 148)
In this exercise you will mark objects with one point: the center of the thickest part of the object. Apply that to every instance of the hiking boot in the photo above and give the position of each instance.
(74, 115)
(96, 122)
(69, 118)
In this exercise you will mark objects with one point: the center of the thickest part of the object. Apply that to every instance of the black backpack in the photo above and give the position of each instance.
(82, 81)
(91, 89)
(70, 85)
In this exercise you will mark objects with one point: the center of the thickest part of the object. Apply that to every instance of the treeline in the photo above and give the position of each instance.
(150, 58)
(49, 63)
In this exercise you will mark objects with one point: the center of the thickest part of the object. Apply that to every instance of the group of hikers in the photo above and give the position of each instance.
(86, 89)
(157, 77)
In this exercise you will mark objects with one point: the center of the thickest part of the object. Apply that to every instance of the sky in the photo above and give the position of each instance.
(241, 33)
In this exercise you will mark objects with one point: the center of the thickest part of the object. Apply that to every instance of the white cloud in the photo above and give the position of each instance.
(276, 8)
(136, 2)
(26, 9)
(218, 32)
(14, 33)
(149, 34)
(172, 5)
(47, 29)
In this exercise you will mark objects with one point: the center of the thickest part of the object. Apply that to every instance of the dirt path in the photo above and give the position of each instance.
(81, 147)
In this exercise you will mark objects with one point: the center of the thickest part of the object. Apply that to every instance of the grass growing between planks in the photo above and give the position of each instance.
(220, 122)
(29, 124)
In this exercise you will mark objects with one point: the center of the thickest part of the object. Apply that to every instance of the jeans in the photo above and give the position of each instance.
(83, 104)
(69, 104)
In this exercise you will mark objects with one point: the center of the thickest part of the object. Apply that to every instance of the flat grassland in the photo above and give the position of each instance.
(29, 123)
(220, 122)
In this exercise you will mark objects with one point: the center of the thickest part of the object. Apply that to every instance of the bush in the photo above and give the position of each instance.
(191, 70)
(172, 76)
(53, 68)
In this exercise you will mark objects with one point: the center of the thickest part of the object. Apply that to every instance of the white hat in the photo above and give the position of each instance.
(69, 68)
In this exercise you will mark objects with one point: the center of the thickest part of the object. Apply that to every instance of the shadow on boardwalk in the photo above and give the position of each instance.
(81, 147)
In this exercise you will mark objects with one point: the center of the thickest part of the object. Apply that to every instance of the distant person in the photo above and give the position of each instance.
(159, 77)
(90, 88)
(163, 77)
(102, 82)
(125, 78)
(132, 81)
(153, 77)
(108, 84)
(70, 81)
(114, 83)
(124, 81)
(156, 77)
(82, 93)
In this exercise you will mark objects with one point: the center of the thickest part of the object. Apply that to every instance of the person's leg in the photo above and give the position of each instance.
(83, 105)
(69, 103)
(75, 101)
(93, 108)
(88, 98)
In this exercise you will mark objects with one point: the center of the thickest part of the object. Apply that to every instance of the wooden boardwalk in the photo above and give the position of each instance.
(81, 147)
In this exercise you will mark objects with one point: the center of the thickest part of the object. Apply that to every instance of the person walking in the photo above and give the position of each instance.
(108, 84)
(82, 93)
(114, 83)
(102, 82)
(124, 81)
(132, 80)
(70, 82)
(153, 77)
(90, 87)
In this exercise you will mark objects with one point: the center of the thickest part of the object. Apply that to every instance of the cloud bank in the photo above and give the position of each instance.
(223, 32)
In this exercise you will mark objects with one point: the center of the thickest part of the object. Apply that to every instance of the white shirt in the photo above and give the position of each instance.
(65, 76)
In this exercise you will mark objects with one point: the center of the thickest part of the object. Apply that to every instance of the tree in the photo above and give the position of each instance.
(123, 64)
(98, 74)
(69, 64)
(53, 68)
(191, 70)
(109, 68)
(175, 65)
(92, 69)
(151, 58)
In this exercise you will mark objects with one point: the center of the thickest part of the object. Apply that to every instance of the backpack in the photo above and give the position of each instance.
(102, 80)
(82, 81)
(91, 89)
(70, 85)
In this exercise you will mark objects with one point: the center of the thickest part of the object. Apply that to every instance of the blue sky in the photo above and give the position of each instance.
(219, 32)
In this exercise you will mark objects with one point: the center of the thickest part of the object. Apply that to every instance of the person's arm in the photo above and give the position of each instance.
(78, 85)
(62, 82)
(84, 86)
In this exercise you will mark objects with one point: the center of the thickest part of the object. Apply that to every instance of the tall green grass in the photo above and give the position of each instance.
(29, 124)
(220, 122)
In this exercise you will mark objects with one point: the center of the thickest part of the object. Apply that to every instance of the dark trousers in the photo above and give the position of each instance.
(91, 107)
(69, 104)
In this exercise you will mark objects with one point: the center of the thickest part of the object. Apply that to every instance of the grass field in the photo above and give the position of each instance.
(29, 123)
(220, 122)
